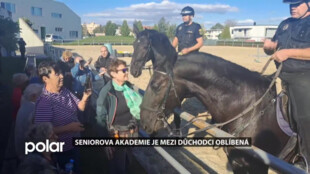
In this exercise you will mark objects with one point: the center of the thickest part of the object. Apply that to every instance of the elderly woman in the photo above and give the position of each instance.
(37, 162)
(20, 81)
(65, 63)
(25, 117)
(118, 109)
(31, 72)
(59, 106)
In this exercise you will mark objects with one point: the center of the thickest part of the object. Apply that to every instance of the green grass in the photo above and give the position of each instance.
(100, 40)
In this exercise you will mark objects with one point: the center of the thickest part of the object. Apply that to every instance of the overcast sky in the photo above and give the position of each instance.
(208, 12)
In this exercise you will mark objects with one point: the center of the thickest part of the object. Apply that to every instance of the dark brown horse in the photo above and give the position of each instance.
(225, 88)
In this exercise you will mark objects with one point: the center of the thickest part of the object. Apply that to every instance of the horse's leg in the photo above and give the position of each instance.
(242, 163)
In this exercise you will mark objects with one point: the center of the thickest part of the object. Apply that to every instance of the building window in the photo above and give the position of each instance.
(73, 34)
(8, 6)
(36, 11)
(56, 15)
(58, 29)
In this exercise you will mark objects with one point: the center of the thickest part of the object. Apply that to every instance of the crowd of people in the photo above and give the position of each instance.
(48, 103)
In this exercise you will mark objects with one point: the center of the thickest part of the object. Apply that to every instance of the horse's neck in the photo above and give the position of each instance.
(164, 62)
(221, 102)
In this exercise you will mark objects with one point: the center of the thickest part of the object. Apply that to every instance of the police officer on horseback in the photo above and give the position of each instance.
(291, 46)
(188, 35)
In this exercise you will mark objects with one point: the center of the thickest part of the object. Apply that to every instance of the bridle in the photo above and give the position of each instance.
(160, 115)
(149, 51)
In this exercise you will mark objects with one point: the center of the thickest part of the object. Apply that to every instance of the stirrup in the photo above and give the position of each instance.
(297, 156)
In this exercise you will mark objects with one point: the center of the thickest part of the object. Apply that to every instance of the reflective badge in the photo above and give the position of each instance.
(285, 27)
(200, 31)
(180, 28)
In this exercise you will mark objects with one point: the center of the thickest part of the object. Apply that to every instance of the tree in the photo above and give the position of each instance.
(230, 23)
(8, 32)
(110, 29)
(125, 29)
(155, 27)
(99, 29)
(217, 26)
(226, 32)
(139, 25)
(171, 31)
(203, 32)
(85, 31)
(163, 25)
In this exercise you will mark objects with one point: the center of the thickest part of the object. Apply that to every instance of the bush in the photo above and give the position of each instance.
(8, 31)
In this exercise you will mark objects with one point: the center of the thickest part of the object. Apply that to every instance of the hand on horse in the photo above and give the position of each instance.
(185, 51)
(281, 55)
(270, 46)
(109, 152)
(76, 127)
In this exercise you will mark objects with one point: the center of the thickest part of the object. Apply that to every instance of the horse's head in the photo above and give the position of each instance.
(142, 51)
(155, 46)
(159, 99)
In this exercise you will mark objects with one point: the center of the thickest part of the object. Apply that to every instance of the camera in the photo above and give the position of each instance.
(82, 63)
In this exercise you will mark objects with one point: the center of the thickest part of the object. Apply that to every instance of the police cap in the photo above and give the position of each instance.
(294, 1)
(187, 11)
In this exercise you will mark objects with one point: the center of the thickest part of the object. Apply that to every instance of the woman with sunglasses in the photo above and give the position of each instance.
(118, 109)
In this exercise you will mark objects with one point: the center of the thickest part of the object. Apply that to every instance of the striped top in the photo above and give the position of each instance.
(59, 109)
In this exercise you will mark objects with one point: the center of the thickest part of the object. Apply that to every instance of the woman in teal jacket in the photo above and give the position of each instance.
(118, 111)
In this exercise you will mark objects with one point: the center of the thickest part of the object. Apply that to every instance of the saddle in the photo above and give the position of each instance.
(284, 118)
(287, 124)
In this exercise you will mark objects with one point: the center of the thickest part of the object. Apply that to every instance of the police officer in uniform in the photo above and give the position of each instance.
(291, 45)
(188, 35)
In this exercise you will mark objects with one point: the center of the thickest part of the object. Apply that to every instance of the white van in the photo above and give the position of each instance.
(53, 38)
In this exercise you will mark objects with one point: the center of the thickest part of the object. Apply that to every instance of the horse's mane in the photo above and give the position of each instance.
(204, 63)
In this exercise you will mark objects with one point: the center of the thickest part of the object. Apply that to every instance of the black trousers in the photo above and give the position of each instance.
(122, 159)
(298, 87)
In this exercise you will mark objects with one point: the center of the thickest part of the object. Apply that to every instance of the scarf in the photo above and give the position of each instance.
(133, 99)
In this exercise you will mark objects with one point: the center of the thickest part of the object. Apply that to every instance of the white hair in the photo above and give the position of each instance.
(32, 89)
(39, 132)
(19, 79)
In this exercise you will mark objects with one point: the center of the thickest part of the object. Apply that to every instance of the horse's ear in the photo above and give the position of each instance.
(135, 29)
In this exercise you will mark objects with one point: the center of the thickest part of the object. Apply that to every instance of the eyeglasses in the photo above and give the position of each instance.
(124, 70)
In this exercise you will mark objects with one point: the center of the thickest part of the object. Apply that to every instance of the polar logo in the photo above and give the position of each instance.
(44, 147)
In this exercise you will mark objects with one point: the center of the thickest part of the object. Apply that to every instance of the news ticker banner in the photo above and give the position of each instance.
(220, 142)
